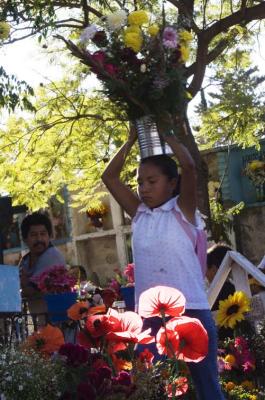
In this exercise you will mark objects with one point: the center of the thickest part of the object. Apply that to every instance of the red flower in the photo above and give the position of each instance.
(193, 338)
(101, 325)
(179, 386)
(146, 356)
(74, 353)
(161, 300)
(129, 273)
(129, 328)
(167, 342)
(99, 57)
(84, 339)
(111, 69)
(109, 296)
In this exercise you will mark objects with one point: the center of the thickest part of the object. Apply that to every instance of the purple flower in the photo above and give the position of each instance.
(104, 373)
(170, 38)
(74, 353)
(100, 39)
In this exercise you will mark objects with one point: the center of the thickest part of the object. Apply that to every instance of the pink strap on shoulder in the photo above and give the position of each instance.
(199, 241)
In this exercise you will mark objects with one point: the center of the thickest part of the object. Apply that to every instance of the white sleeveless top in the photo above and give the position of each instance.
(164, 254)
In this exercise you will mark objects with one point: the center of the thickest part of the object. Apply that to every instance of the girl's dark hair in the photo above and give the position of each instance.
(35, 218)
(167, 166)
(216, 255)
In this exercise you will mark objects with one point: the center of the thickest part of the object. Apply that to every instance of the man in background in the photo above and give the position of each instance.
(36, 231)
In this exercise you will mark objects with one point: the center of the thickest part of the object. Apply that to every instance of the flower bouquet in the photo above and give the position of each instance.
(58, 288)
(255, 171)
(140, 61)
(104, 363)
(240, 359)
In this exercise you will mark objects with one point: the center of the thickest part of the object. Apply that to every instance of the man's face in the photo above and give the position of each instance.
(38, 239)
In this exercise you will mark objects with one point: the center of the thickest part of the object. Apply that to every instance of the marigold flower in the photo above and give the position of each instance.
(139, 17)
(161, 301)
(153, 30)
(229, 386)
(186, 36)
(133, 29)
(256, 164)
(120, 364)
(133, 41)
(248, 385)
(229, 358)
(185, 53)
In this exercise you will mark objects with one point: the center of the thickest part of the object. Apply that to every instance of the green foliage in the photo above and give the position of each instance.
(14, 93)
(235, 111)
(221, 218)
(67, 142)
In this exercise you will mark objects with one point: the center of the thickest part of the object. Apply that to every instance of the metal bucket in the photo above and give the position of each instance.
(149, 140)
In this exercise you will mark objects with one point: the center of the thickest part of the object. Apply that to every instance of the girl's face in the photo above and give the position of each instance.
(154, 188)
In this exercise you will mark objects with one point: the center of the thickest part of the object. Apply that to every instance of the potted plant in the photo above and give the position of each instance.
(57, 285)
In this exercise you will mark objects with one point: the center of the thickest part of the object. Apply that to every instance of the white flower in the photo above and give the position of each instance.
(143, 68)
(8, 378)
(88, 33)
(116, 20)
(20, 387)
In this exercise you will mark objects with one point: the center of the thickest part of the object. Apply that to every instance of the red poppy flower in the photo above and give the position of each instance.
(179, 386)
(84, 339)
(101, 325)
(193, 338)
(129, 328)
(161, 300)
(167, 342)
(146, 356)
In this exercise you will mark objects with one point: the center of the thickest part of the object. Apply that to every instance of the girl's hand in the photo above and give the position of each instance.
(132, 133)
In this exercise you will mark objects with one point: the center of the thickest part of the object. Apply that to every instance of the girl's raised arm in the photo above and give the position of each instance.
(187, 200)
(111, 177)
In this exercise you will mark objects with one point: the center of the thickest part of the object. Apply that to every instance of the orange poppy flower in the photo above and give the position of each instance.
(193, 338)
(47, 340)
(179, 387)
(161, 301)
(129, 328)
(78, 310)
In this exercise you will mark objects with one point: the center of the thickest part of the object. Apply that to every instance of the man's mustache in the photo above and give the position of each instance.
(38, 243)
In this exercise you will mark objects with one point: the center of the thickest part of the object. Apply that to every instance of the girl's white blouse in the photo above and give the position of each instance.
(164, 254)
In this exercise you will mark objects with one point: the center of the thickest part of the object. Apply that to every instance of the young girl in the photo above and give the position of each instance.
(163, 252)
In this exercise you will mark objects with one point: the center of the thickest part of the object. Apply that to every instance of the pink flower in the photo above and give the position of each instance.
(170, 38)
(129, 273)
(55, 280)
(161, 301)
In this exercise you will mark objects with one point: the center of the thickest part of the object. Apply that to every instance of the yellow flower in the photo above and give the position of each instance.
(232, 309)
(230, 359)
(253, 397)
(256, 164)
(247, 385)
(4, 30)
(188, 95)
(229, 386)
(138, 18)
(133, 29)
(185, 53)
(134, 41)
(185, 36)
(153, 30)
